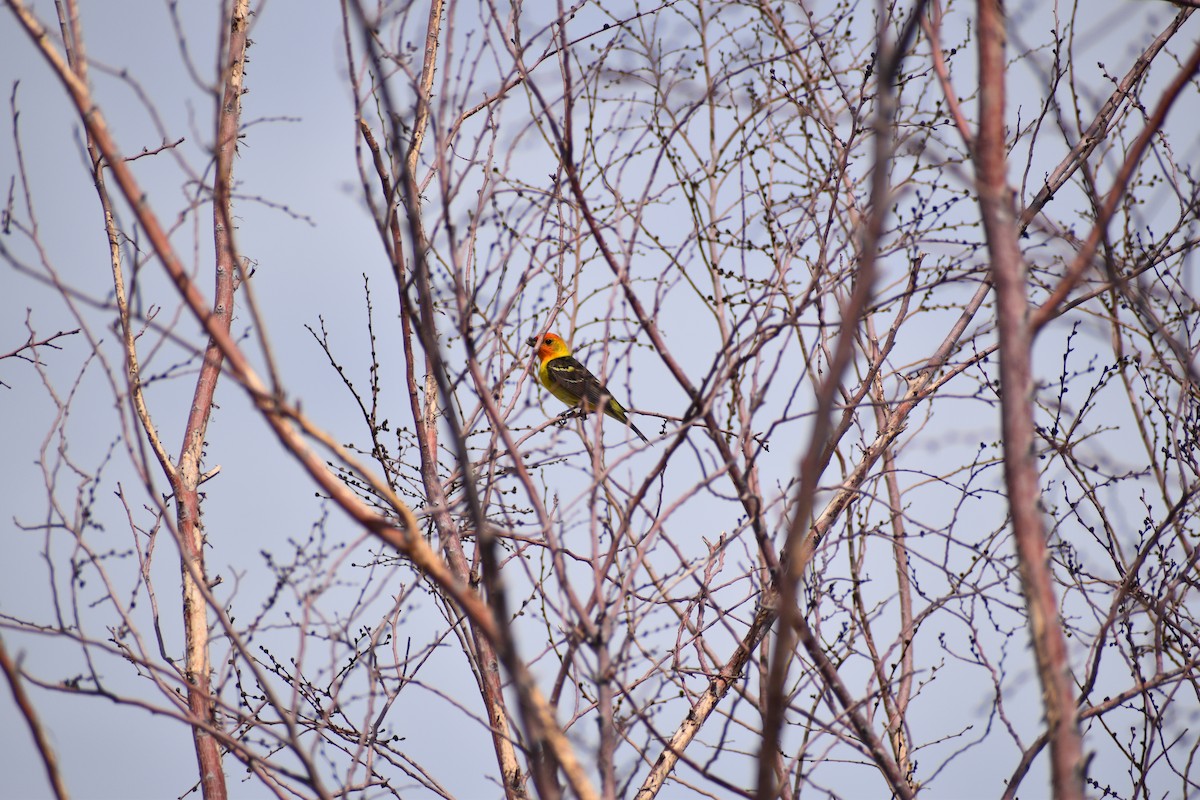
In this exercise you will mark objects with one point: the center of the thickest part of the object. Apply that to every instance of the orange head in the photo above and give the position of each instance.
(551, 346)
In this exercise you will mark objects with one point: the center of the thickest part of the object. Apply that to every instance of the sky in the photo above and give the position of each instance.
(313, 254)
(314, 265)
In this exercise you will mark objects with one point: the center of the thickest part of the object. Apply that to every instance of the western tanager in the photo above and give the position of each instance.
(571, 382)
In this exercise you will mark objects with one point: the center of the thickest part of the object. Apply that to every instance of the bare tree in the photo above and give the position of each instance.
(901, 292)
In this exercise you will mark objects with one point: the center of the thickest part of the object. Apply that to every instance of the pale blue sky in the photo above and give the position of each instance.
(309, 262)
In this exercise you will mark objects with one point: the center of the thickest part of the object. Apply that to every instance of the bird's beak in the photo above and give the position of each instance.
(532, 341)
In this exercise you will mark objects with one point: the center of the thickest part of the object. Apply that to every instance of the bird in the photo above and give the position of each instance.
(572, 382)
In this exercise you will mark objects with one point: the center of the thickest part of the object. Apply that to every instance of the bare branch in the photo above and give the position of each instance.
(1016, 377)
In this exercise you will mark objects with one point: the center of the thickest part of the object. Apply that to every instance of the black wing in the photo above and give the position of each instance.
(575, 379)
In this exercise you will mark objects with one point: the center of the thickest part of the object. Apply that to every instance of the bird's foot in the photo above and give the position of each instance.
(567, 416)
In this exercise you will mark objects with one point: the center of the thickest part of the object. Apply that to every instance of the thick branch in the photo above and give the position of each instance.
(188, 475)
(13, 673)
(1016, 377)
